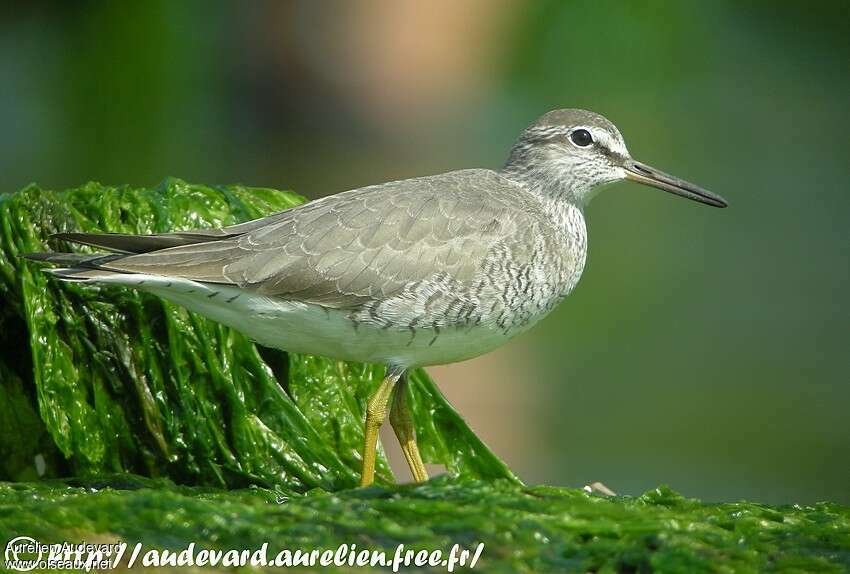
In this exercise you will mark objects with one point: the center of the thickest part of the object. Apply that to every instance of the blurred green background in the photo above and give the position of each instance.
(704, 349)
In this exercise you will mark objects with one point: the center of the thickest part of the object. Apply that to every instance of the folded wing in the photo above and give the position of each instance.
(366, 244)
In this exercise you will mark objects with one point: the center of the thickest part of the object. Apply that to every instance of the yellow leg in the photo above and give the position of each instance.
(376, 412)
(402, 424)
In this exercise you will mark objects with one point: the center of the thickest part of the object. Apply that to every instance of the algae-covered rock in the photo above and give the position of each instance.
(536, 530)
(105, 379)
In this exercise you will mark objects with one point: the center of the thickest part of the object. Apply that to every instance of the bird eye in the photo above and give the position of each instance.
(581, 138)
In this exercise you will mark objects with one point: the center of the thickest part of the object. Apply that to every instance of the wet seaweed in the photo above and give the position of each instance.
(98, 380)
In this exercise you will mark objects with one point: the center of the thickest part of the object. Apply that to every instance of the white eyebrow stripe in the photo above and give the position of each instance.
(613, 142)
(548, 131)
(610, 141)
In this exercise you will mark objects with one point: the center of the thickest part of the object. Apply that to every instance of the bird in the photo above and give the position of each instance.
(411, 273)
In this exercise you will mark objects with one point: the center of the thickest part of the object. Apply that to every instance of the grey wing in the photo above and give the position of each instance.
(364, 245)
(130, 243)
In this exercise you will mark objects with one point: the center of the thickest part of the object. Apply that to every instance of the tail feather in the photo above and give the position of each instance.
(85, 267)
(128, 243)
(82, 273)
(76, 266)
(72, 259)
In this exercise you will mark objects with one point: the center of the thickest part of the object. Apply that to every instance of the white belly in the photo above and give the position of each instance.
(311, 329)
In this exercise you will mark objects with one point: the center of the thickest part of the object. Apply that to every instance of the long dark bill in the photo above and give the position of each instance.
(642, 173)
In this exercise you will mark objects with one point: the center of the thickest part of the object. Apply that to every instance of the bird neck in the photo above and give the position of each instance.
(550, 180)
(559, 195)
(551, 174)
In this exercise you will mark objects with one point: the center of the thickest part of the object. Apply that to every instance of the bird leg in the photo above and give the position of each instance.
(402, 423)
(376, 412)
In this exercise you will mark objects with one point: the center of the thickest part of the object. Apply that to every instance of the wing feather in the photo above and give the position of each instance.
(371, 243)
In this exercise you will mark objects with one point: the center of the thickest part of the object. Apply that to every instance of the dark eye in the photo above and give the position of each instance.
(581, 138)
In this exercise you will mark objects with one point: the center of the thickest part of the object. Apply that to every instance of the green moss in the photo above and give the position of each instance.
(539, 529)
(108, 379)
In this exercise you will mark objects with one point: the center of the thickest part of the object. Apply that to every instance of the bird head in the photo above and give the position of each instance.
(572, 153)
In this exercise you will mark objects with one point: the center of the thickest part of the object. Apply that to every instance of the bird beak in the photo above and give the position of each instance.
(642, 173)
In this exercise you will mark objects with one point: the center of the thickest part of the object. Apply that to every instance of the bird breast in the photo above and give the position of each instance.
(522, 278)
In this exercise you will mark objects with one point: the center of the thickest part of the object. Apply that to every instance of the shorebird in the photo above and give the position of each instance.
(411, 273)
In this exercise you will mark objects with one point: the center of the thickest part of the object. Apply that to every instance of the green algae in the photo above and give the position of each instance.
(98, 380)
(524, 529)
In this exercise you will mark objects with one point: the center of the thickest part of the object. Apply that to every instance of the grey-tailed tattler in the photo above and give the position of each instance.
(411, 273)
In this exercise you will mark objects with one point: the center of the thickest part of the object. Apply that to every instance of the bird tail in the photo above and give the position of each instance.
(76, 266)
(129, 243)
(87, 267)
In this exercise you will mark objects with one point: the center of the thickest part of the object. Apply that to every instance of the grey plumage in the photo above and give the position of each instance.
(466, 248)
(446, 250)
(128, 243)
